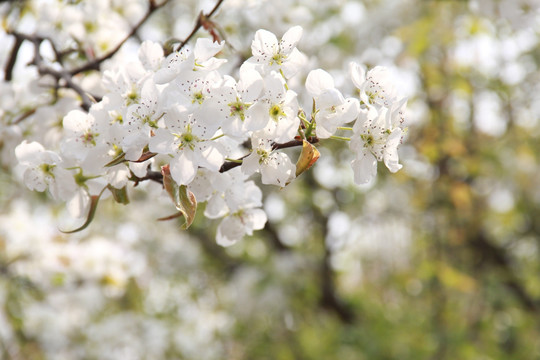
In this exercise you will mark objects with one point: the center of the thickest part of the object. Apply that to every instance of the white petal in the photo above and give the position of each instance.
(212, 156)
(216, 207)
(290, 39)
(78, 205)
(250, 85)
(258, 219)
(329, 98)
(250, 164)
(358, 74)
(263, 43)
(26, 152)
(294, 63)
(364, 167)
(279, 170)
(230, 231)
(183, 168)
(318, 81)
(77, 121)
(391, 159)
(150, 55)
(205, 48)
(257, 116)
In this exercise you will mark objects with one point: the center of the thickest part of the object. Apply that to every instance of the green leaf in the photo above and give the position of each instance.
(308, 157)
(117, 160)
(119, 195)
(183, 199)
(94, 200)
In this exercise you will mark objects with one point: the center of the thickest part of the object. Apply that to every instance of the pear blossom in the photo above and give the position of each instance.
(83, 132)
(189, 64)
(235, 98)
(140, 120)
(151, 56)
(42, 169)
(275, 111)
(375, 86)
(234, 227)
(375, 139)
(282, 56)
(183, 111)
(275, 167)
(190, 145)
(230, 197)
(332, 109)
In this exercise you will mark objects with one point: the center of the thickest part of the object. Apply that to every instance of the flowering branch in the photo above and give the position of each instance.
(95, 64)
(183, 109)
(44, 69)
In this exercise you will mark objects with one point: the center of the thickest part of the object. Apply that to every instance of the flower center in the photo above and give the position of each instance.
(237, 109)
(276, 112)
(198, 97)
(89, 138)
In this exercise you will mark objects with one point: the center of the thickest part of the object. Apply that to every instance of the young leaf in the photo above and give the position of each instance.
(145, 156)
(183, 199)
(117, 160)
(94, 199)
(308, 157)
(119, 195)
(170, 217)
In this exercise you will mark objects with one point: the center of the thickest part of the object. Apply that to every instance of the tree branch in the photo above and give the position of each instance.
(95, 64)
(44, 69)
(8, 72)
(199, 24)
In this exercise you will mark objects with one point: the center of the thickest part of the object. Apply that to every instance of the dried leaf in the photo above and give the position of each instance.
(308, 157)
(145, 156)
(183, 199)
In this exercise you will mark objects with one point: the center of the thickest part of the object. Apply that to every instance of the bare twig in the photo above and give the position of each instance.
(199, 24)
(62, 76)
(8, 72)
(228, 165)
(96, 64)
(44, 69)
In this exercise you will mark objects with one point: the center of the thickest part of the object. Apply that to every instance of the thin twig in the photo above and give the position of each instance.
(95, 64)
(12, 59)
(199, 24)
(44, 69)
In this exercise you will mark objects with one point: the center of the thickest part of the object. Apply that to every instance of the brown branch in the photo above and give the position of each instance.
(199, 24)
(329, 297)
(44, 69)
(228, 165)
(8, 72)
(95, 64)
(66, 76)
(496, 256)
(156, 176)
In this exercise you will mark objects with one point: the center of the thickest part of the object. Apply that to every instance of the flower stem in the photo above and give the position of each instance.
(344, 128)
(217, 137)
(340, 138)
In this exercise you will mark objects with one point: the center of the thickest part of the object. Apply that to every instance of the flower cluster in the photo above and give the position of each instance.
(181, 115)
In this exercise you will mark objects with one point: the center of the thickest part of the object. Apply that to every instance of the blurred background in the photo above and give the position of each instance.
(438, 261)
